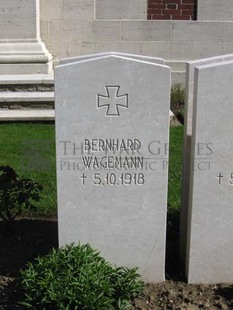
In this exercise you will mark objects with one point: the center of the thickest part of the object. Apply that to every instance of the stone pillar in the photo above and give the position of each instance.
(21, 49)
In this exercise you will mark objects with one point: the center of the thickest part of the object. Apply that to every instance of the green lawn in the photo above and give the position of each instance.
(175, 177)
(175, 167)
(30, 150)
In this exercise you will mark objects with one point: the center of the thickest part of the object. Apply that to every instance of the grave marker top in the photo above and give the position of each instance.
(112, 128)
(133, 56)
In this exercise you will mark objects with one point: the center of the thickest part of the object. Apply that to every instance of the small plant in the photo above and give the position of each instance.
(178, 101)
(16, 195)
(78, 278)
(177, 95)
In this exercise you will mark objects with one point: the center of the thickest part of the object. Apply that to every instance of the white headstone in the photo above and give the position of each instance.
(188, 117)
(210, 223)
(112, 128)
(133, 56)
(139, 57)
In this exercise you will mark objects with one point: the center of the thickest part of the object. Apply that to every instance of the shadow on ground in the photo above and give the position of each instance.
(225, 292)
(174, 269)
(23, 240)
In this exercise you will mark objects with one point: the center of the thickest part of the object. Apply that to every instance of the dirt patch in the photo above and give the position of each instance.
(168, 295)
(178, 295)
(21, 241)
(25, 239)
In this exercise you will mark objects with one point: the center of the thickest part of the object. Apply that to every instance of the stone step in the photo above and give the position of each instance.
(25, 79)
(22, 97)
(27, 115)
(33, 115)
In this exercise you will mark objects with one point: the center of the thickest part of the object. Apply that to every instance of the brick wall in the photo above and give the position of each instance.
(172, 9)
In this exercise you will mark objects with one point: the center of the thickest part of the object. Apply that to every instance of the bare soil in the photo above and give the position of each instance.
(25, 239)
(20, 242)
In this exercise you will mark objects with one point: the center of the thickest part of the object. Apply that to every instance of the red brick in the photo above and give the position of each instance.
(171, 9)
(160, 17)
(172, 6)
(188, 1)
(172, 12)
(172, 1)
(178, 17)
(186, 6)
(187, 12)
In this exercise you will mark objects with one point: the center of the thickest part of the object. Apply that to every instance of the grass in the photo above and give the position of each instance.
(178, 101)
(177, 95)
(30, 150)
(175, 167)
(175, 176)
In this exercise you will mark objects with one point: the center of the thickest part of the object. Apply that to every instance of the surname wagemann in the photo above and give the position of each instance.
(111, 161)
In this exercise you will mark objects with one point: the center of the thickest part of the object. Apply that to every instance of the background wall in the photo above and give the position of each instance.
(77, 27)
(172, 9)
(215, 10)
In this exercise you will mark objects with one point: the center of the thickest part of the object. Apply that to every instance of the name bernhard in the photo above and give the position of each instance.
(111, 145)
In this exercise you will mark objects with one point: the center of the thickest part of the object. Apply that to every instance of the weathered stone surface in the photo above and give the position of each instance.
(18, 20)
(188, 123)
(215, 10)
(210, 220)
(21, 49)
(118, 207)
(121, 9)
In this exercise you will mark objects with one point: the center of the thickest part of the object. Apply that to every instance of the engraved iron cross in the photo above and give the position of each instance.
(112, 101)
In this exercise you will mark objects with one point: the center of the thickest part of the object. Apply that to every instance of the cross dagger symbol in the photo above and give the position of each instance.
(112, 101)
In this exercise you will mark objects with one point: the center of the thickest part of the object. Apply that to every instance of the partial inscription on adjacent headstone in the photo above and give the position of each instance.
(210, 223)
(188, 123)
(112, 128)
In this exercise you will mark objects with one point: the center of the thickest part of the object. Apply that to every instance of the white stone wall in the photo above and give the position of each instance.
(21, 48)
(15, 18)
(112, 9)
(215, 10)
(77, 27)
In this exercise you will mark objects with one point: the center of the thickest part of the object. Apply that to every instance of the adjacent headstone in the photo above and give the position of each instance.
(133, 56)
(188, 123)
(210, 222)
(112, 133)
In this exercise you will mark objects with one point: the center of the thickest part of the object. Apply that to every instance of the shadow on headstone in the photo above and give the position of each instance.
(23, 240)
